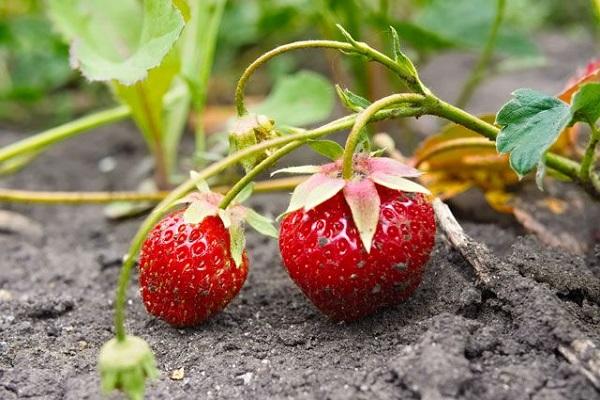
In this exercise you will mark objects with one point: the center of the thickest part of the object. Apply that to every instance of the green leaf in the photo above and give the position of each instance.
(401, 58)
(530, 123)
(244, 194)
(350, 100)
(237, 242)
(300, 99)
(200, 183)
(145, 98)
(225, 217)
(260, 223)
(117, 39)
(327, 148)
(26, 43)
(586, 104)
(347, 35)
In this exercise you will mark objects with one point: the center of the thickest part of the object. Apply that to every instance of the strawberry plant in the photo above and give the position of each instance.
(357, 232)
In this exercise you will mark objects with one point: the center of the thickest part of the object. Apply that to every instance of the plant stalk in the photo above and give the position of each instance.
(365, 116)
(478, 73)
(80, 198)
(208, 42)
(588, 161)
(257, 170)
(360, 48)
(54, 135)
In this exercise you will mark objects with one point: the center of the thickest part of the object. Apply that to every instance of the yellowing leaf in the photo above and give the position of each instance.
(458, 159)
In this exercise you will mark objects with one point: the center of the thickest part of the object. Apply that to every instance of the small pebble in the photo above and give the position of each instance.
(5, 295)
(178, 374)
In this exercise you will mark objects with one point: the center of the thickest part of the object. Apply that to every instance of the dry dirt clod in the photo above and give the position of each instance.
(498, 277)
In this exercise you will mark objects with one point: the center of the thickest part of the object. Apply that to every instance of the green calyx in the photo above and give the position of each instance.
(125, 365)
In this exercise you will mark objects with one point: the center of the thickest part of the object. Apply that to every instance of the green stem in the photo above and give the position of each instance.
(357, 48)
(77, 198)
(208, 42)
(161, 172)
(480, 69)
(559, 163)
(257, 170)
(181, 190)
(54, 135)
(589, 158)
(365, 117)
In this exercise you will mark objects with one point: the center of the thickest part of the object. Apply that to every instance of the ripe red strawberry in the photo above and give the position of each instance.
(187, 273)
(356, 246)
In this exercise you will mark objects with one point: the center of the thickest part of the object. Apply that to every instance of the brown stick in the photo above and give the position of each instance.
(476, 254)
(584, 355)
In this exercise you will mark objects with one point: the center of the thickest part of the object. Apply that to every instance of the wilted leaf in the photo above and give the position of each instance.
(458, 159)
(568, 142)
(117, 39)
(300, 99)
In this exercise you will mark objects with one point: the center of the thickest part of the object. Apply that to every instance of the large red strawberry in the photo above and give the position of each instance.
(193, 262)
(356, 246)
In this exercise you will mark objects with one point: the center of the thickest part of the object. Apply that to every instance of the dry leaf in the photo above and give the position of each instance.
(458, 159)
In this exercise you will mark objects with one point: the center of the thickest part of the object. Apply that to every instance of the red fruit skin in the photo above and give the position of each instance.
(187, 274)
(323, 254)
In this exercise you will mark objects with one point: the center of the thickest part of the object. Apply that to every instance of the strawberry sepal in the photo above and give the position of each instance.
(126, 365)
(359, 192)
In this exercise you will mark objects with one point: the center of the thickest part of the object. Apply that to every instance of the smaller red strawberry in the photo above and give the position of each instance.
(356, 246)
(193, 262)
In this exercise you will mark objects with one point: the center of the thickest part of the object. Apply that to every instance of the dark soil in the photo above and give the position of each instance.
(454, 339)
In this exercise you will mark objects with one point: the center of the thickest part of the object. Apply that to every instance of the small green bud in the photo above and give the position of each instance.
(125, 365)
(248, 131)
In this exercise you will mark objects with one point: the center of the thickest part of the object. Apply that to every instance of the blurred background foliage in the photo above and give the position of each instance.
(38, 88)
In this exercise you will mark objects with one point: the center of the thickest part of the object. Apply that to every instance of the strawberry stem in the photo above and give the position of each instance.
(407, 99)
(258, 169)
(357, 48)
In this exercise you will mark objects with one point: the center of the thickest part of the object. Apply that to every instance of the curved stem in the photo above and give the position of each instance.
(54, 135)
(254, 172)
(365, 117)
(479, 71)
(79, 198)
(357, 48)
(181, 190)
